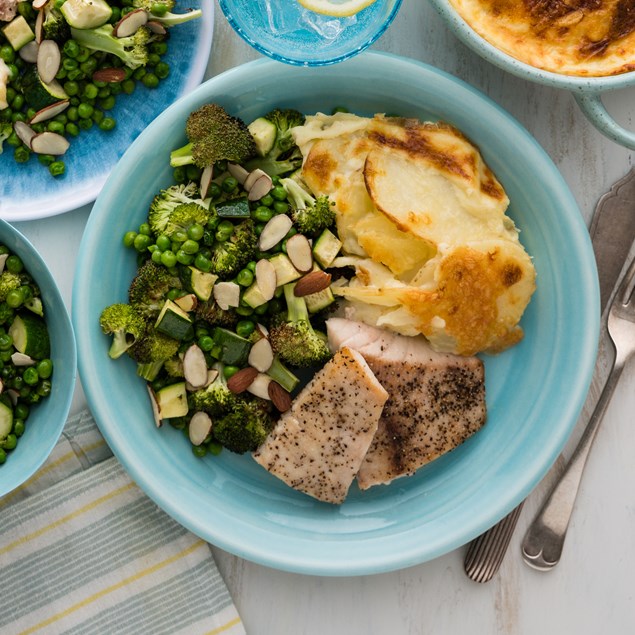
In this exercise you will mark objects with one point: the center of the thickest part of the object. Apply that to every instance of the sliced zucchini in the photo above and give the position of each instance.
(199, 282)
(317, 301)
(18, 32)
(174, 321)
(6, 421)
(30, 336)
(233, 208)
(253, 296)
(232, 348)
(285, 271)
(264, 133)
(172, 401)
(37, 93)
(326, 248)
(86, 14)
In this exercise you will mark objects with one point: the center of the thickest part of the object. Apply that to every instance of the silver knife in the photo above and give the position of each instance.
(612, 233)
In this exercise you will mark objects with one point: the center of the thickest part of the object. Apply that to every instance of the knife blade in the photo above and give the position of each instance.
(612, 232)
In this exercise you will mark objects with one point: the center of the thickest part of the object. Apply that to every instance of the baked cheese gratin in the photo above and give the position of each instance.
(422, 221)
(577, 37)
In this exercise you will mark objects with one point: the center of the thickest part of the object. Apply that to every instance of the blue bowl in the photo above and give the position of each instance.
(535, 390)
(286, 32)
(47, 418)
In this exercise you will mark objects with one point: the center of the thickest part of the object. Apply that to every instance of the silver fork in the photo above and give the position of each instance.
(544, 540)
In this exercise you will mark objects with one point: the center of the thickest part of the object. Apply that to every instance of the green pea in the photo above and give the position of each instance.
(128, 238)
(206, 343)
(245, 328)
(193, 173)
(128, 86)
(144, 228)
(244, 277)
(245, 311)
(44, 369)
(10, 442)
(214, 448)
(183, 258)
(156, 256)
(163, 242)
(262, 214)
(21, 155)
(18, 426)
(17, 102)
(72, 129)
(229, 370)
(190, 246)
(14, 299)
(160, 48)
(195, 231)
(229, 184)
(6, 342)
(44, 388)
(202, 262)
(85, 110)
(3, 456)
(262, 309)
(179, 175)
(199, 451)
(57, 168)
(55, 126)
(45, 159)
(21, 410)
(108, 103)
(168, 258)
(71, 48)
(142, 242)
(279, 193)
(162, 70)
(7, 54)
(280, 207)
(150, 80)
(158, 8)
(107, 124)
(215, 191)
(30, 376)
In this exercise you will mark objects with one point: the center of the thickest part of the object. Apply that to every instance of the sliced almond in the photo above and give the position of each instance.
(252, 177)
(187, 302)
(109, 75)
(38, 4)
(238, 172)
(24, 132)
(20, 359)
(48, 112)
(3, 260)
(199, 428)
(49, 59)
(261, 355)
(29, 52)
(130, 23)
(242, 380)
(262, 330)
(156, 413)
(195, 367)
(49, 143)
(39, 27)
(312, 283)
(274, 231)
(212, 374)
(227, 294)
(14, 395)
(266, 278)
(260, 386)
(280, 398)
(260, 188)
(299, 252)
(206, 180)
(156, 27)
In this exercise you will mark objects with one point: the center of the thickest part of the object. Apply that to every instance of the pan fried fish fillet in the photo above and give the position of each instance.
(436, 401)
(318, 445)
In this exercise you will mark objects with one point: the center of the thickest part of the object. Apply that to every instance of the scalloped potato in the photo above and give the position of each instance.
(423, 222)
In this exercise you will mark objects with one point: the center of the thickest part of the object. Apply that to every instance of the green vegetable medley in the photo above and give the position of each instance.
(25, 364)
(232, 286)
(64, 66)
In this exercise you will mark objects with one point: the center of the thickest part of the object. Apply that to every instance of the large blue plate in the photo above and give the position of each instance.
(28, 191)
(535, 390)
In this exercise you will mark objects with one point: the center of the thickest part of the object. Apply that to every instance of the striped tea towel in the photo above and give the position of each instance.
(83, 551)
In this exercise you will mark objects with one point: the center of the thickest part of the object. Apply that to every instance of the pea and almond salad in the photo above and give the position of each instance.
(65, 63)
(232, 288)
(25, 365)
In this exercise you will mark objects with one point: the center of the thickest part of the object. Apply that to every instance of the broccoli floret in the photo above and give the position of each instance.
(293, 338)
(6, 313)
(230, 256)
(311, 215)
(284, 156)
(9, 282)
(174, 366)
(245, 427)
(167, 18)
(149, 288)
(6, 129)
(150, 351)
(125, 324)
(184, 216)
(167, 201)
(214, 135)
(131, 50)
(216, 399)
(54, 26)
(211, 313)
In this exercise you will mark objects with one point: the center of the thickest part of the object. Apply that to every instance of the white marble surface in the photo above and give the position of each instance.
(592, 591)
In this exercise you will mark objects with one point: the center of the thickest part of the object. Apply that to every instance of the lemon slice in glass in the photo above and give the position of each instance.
(336, 8)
